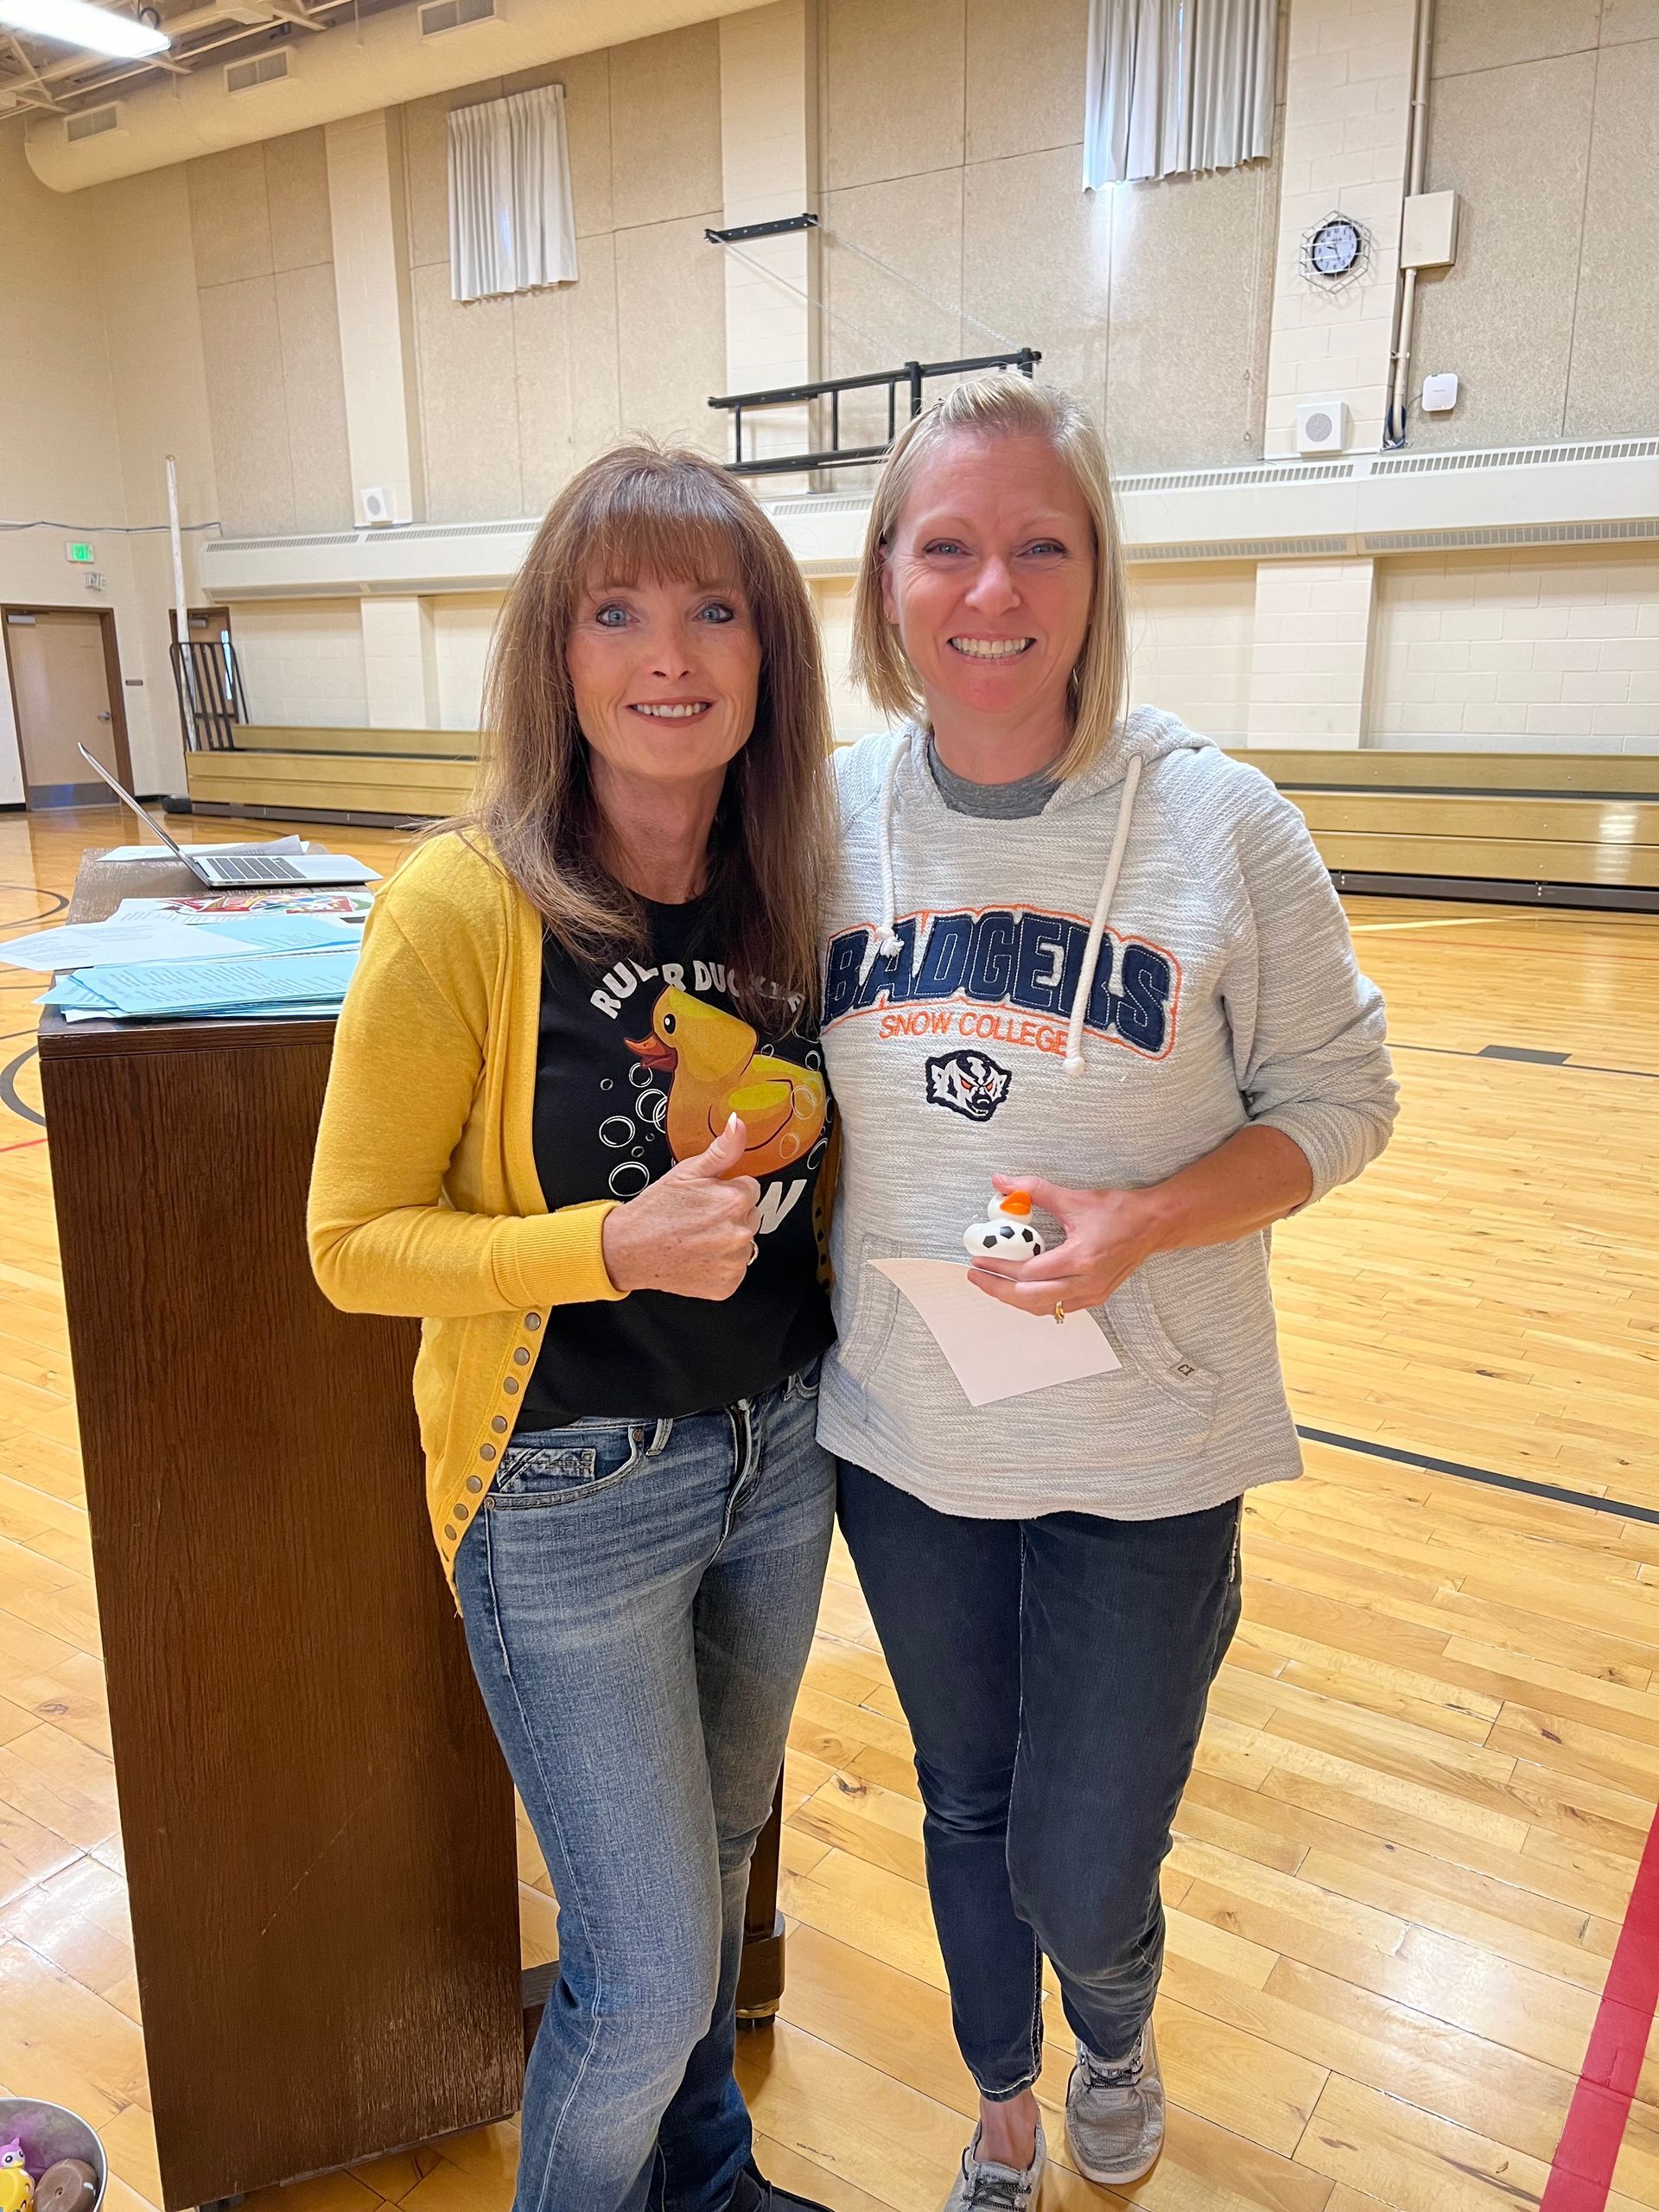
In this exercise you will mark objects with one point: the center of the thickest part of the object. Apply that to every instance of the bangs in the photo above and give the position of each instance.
(643, 522)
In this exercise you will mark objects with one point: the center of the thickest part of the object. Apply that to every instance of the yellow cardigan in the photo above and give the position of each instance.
(424, 1196)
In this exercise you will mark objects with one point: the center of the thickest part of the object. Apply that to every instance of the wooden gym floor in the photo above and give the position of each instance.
(1432, 1757)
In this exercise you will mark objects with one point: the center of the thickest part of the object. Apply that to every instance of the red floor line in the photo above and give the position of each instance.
(23, 1145)
(1582, 2173)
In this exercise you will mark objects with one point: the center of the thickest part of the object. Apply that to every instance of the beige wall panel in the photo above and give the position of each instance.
(230, 217)
(308, 317)
(666, 126)
(565, 352)
(296, 185)
(241, 349)
(302, 661)
(1192, 290)
(462, 626)
(876, 321)
(426, 178)
(1623, 20)
(670, 322)
(1037, 258)
(1476, 34)
(426, 168)
(1516, 143)
(894, 88)
(1025, 78)
(1191, 633)
(1614, 385)
(587, 81)
(468, 403)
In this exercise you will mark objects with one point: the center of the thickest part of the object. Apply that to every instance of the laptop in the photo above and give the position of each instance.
(238, 871)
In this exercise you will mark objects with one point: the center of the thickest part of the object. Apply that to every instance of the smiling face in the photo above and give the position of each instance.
(667, 676)
(990, 577)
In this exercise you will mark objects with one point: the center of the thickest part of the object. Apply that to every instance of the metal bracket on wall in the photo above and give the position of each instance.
(774, 229)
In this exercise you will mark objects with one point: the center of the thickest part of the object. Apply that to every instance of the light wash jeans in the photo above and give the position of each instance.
(639, 1600)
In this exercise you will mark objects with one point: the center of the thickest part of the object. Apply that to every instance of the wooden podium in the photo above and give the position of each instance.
(318, 1825)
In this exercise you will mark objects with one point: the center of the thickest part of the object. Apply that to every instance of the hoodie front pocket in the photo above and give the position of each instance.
(1142, 1342)
(874, 1298)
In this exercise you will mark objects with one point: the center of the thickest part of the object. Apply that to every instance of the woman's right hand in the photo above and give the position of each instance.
(694, 1232)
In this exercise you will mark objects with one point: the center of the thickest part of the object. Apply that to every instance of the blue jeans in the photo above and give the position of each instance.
(1054, 1672)
(639, 1600)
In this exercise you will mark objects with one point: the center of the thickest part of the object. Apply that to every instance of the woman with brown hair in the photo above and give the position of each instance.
(575, 1121)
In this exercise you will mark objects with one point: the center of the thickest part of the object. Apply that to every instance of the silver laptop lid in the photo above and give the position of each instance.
(143, 812)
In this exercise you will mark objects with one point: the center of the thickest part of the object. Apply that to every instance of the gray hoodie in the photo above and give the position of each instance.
(976, 1022)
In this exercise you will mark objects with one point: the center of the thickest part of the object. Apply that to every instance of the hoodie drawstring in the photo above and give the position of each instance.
(1074, 1060)
(888, 943)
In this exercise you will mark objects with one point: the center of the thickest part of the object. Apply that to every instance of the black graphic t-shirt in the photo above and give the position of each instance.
(639, 1067)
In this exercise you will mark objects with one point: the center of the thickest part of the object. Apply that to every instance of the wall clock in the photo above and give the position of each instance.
(1335, 251)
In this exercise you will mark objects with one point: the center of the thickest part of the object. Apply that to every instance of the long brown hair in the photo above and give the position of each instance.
(641, 510)
(1003, 405)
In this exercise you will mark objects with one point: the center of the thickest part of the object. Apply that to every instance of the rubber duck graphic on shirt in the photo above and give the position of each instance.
(717, 1072)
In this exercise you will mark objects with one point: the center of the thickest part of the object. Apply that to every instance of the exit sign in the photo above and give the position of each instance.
(79, 549)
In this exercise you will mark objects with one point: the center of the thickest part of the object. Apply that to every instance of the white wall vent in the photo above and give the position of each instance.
(447, 15)
(92, 122)
(259, 69)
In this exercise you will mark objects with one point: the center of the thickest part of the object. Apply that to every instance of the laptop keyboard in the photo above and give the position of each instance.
(229, 870)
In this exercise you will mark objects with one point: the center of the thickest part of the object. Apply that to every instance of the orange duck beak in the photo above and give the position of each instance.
(653, 1052)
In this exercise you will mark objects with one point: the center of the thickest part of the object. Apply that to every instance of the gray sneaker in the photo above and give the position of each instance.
(1115, 2114)
(982, 2186)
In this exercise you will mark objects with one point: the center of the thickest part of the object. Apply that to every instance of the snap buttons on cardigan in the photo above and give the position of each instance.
(486, 1451)
(522, 1356)
(533, 1320)
(475, 1482)
(511, 1386)
(460, 1511)
(499, 1423)
(450, 1535)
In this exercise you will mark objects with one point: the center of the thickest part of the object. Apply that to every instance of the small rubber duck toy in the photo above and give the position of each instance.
(16, 2189)
(1008, 1233)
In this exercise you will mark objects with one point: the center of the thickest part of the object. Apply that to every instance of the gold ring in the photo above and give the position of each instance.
(1059, 1309)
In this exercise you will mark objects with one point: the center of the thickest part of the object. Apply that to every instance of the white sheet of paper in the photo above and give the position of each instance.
(996, 1350)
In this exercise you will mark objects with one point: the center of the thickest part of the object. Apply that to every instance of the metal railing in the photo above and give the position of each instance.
(209, 685)
(909, 379)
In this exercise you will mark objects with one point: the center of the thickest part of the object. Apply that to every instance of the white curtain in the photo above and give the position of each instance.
(1177, 85)
(512, 224)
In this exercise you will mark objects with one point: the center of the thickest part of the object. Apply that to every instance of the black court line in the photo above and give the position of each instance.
(1568, 1064)
(1486, 1475)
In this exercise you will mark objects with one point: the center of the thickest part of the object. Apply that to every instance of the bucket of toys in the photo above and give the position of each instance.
(50, 2160)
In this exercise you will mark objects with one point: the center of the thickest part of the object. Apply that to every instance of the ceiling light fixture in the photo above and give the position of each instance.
(77, 22)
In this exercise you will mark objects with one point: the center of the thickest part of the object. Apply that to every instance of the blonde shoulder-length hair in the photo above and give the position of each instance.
(641, 512)
(1003, 405)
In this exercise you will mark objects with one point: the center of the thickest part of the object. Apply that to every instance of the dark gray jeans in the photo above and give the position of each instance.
(1054, 1674)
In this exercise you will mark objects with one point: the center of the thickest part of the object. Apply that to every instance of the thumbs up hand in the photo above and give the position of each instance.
(692, 1232)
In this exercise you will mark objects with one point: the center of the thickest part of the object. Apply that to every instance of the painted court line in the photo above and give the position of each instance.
(1581, 2174)
(1588, 1500)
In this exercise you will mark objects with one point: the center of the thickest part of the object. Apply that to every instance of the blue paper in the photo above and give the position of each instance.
(226, 985)
(280, 933)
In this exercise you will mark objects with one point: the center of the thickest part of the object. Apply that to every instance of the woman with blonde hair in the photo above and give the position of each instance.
(575, 1121)
(1084, 961)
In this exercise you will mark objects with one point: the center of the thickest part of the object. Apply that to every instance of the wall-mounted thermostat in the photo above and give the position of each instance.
(1440, 393)
(1323, 426)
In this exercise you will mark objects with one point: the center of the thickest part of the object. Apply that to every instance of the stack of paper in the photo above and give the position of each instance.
(154, 962)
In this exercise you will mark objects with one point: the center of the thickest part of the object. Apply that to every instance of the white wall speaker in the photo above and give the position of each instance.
(1323, 426)
(375, 502)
